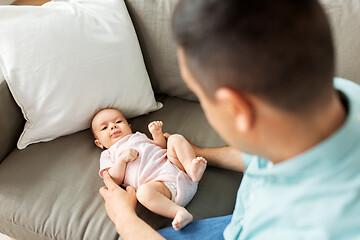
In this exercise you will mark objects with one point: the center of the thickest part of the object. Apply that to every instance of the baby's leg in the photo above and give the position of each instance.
(179, 151)
(155, 196)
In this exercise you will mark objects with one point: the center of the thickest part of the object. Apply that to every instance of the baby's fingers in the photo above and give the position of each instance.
(133, 154)
(159, 124)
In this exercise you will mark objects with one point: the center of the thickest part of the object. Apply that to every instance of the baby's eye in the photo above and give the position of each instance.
(104, 128)
(119, 121)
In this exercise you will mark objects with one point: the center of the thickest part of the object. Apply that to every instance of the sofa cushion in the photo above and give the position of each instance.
(11, 121)
(159, 49)
(344, 17)
(183, 117)
(50, 190)
(152, 21)
(64, 61)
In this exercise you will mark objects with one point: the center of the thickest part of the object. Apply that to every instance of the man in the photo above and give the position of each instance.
(263, 72)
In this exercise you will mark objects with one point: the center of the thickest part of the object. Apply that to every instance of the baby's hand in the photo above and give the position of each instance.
(128, 155)
(155, 127)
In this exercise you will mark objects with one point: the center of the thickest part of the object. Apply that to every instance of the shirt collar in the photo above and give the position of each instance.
(326, 153)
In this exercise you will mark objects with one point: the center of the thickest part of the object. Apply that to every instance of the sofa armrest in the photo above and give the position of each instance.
(11, 120)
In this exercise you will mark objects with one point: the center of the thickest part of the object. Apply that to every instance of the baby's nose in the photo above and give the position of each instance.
(113, 126)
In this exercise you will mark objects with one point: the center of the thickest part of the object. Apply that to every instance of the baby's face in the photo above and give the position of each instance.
(109, 126)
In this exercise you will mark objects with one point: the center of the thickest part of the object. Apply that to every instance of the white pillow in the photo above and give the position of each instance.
(64, 61)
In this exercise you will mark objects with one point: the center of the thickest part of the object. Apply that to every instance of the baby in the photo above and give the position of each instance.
(166, 180)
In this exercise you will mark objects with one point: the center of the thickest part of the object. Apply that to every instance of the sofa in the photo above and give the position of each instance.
(49, 190)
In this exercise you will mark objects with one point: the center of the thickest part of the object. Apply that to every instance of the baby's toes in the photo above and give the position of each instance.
(152, 126)
(158, 125)
(175, 224)
(200, 160)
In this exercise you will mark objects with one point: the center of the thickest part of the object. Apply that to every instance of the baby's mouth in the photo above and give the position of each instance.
(115, 134)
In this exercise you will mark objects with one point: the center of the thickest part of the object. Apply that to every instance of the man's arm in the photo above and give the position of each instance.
(30, 2)
(120, 207)
(222, 157)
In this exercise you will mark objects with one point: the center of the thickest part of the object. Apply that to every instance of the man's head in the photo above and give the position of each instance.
(108, 126)
(279, 53)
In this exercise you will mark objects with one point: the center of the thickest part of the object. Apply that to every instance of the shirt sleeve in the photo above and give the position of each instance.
(105, 162)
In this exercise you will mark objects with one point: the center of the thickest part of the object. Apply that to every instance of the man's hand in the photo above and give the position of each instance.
(118, 202)
(120, 207)
(30, 2)
(128, 155)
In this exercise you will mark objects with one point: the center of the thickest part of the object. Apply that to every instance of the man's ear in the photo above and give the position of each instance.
(97, 143)
(238, 106)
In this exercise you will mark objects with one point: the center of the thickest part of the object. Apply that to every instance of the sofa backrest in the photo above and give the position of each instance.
(152, 21)
(345, 20)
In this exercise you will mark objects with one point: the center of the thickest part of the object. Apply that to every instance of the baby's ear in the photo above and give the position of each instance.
(97, 143)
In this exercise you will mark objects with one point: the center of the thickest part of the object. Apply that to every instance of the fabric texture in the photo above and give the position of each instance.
(344, 17)
(11, 121)
(59, 180)
(206, 229)
(64, 61)
(314, 195)
(152, 21)
(172, 188)
(150, 165)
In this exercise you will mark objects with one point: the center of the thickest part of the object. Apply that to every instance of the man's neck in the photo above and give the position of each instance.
(293, 135)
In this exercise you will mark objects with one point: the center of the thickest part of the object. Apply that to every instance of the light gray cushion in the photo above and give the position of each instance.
(345, 20)
(183, 117)
(159, 50)
(11, 120)
(50, 190)
(152, 21)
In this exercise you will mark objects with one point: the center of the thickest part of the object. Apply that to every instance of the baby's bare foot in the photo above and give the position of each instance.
(155, 127)
(197, 168)
(182, 218)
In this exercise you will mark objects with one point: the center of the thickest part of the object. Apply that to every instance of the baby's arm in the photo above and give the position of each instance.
(155, 129)
(117, 171)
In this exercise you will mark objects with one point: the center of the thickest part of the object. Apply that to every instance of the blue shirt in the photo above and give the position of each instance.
(315, 195)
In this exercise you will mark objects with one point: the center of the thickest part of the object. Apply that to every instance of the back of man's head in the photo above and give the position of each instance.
(280, 51)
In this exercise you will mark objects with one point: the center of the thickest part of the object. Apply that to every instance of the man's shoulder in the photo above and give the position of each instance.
(351, 97)
(349, 88)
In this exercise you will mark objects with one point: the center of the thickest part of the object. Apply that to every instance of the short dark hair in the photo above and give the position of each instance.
(280, 51)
